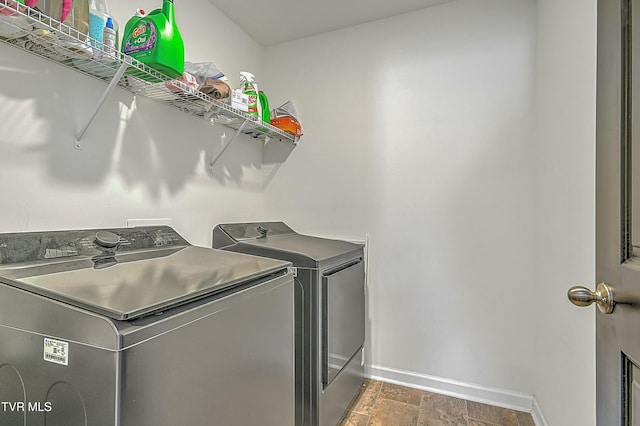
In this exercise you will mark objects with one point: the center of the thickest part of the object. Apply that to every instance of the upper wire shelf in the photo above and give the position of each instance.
(34, 32)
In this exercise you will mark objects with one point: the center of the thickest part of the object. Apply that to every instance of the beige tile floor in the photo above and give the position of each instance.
(385, 404)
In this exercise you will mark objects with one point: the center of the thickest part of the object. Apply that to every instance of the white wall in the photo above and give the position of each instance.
(419, 134)
(140, 159)
(565, 209)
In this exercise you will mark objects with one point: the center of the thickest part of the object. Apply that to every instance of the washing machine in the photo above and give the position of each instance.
(137, 327)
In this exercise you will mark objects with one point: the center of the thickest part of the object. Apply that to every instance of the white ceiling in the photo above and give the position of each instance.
(271, 22)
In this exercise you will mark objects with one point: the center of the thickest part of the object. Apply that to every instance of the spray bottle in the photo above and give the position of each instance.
(250, 88)
(56, 9)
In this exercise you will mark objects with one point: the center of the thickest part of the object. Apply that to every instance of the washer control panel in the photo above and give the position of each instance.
(34, 246)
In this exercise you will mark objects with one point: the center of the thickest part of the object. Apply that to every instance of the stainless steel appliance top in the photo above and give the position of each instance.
(123, 273)
(277, 240)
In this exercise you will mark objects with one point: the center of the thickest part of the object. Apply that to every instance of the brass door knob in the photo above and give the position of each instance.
(603, 297)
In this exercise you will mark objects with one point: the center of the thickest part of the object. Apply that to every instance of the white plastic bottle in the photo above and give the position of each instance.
(55, 9)
(98, 14)
(109, 40)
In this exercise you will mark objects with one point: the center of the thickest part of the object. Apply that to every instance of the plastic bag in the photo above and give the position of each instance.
(288, 108)
(210, 79)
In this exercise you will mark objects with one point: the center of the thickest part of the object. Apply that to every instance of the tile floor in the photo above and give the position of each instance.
(385, 404)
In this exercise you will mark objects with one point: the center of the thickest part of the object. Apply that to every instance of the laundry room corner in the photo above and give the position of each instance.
(420, 135)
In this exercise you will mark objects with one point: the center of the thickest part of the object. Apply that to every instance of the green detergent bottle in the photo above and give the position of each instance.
(154, 40)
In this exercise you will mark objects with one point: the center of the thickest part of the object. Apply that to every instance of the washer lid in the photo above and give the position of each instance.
(134, 284)
(277, 240)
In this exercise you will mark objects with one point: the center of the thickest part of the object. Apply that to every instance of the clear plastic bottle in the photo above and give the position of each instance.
(52, 8)
(78, 18)
(74, 13)
(75, 44)
(98, 15)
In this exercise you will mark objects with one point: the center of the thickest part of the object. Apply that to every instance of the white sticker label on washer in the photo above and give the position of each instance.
(56, 351)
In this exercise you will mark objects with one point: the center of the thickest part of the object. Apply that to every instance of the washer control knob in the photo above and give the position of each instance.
(263, 231)
(107, 239)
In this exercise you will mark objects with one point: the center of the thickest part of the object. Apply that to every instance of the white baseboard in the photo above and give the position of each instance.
(462, 390)
(536, 413)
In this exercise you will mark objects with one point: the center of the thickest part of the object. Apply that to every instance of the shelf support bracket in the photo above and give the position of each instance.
(114, 82)
(224, 148)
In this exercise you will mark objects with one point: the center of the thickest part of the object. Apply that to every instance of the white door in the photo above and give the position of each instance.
(617, 215)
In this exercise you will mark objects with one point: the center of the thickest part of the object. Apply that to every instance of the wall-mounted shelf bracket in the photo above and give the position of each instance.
(224, 148)
(112, 85)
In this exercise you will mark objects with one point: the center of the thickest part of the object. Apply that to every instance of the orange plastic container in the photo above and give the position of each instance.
(287, 124)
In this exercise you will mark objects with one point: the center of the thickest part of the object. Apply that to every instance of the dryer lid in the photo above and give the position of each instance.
(277, 240)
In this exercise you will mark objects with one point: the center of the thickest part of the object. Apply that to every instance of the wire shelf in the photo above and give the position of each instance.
(39, 34)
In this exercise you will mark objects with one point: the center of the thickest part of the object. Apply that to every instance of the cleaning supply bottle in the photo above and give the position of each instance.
(140, 13)
(79, 16)
(250, 88)
(98, 15)
(109, 41)
(154, 40)
(264, 103)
